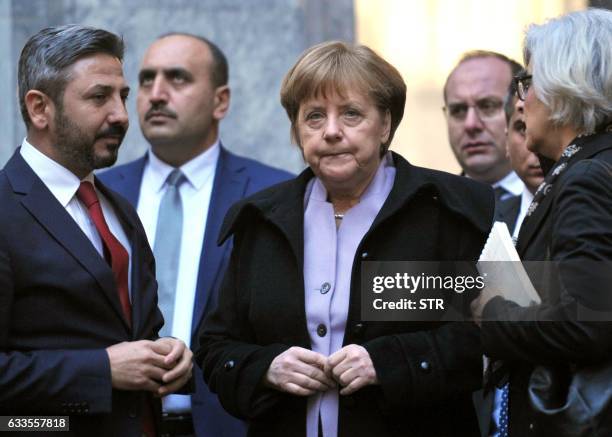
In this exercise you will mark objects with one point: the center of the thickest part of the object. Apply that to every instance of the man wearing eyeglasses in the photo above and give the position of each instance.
(474, 96)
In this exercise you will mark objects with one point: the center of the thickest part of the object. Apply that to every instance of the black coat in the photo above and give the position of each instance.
(426, 370)
(572, 225)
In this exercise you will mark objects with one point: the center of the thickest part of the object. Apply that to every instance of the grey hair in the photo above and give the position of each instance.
(47, 56)
(571, 62)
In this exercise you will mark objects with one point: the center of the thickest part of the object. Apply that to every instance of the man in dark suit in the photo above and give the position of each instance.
(474, 95)
(182, 188)
(78, 314)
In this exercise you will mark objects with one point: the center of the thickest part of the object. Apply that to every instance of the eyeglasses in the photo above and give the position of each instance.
(486, 109)
(522, 82)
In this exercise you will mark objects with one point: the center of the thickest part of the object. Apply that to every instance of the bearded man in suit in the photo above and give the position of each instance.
(78, 306)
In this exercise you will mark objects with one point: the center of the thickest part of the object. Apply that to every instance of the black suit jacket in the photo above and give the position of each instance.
(59, 310)
(508, 210)
(573, 228)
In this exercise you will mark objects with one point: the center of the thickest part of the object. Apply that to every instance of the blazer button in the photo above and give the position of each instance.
(364, 255)
(132, 414)
(358, 329)
(229, 365)
(321, 330)
(425, 366)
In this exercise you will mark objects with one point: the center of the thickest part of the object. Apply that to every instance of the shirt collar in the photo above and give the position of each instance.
(511, 183)
(526, 197)
(62, 183)
(196, 171)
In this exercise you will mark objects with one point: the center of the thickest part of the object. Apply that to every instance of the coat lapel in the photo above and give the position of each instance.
(47, 211)
(530, 227)
(591, 146)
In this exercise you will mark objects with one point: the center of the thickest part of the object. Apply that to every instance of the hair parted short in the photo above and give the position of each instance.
(47, 56)
(571, 62)
(339, 67)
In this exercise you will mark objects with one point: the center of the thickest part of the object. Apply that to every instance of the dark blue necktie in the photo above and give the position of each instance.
(503, 411)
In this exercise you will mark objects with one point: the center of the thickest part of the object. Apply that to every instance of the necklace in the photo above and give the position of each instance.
(338, 216)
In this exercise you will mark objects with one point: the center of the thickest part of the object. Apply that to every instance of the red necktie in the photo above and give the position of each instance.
(118, 258)
(114, 252)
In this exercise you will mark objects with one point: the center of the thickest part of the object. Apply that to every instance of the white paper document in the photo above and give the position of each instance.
(506, 278)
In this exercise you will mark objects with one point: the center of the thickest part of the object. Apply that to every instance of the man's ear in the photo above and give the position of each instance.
(40, 109)
(222, 102)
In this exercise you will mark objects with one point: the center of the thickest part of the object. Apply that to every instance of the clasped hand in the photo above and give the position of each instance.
(161, 367)
(303, 372)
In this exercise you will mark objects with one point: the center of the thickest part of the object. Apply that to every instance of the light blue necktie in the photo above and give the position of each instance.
(167, 247)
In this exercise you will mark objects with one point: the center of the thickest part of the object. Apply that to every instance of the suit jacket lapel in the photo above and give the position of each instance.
(136, 251)
(47, 211)
(229, 186)
(127, 183)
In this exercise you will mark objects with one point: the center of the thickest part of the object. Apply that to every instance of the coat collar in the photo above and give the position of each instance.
(591, 146)
(284, 204)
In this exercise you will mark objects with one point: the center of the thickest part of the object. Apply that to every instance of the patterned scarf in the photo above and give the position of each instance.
(560, 166)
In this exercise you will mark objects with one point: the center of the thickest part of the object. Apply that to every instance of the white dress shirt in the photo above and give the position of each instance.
(511, 183)
(526, 199)
(64, 184)
(195, 192)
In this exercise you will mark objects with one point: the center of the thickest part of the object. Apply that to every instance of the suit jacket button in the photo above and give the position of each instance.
(425, 366)
(229, 365)
(358, 329)
(321, 330)
(364, 255)
(132, 414)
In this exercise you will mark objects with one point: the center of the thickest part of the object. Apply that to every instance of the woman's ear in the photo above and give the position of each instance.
(386, 131)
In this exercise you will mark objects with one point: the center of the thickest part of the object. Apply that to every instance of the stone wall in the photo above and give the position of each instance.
(261, 39)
